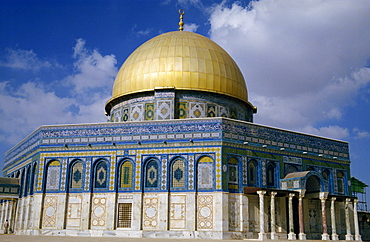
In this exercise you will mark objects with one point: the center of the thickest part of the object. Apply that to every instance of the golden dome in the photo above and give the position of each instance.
(183, 61)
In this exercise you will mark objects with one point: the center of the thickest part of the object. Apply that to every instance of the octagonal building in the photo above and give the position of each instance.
(179, 157)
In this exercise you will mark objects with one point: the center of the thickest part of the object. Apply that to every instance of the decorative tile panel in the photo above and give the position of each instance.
(87, 178)
(164, 109)
(53, 175)
(182, 110)
(137, 112)
(197, 110)
(164, 173)
(63, 175)
(191, 172)
(149, 111)
(211, 110)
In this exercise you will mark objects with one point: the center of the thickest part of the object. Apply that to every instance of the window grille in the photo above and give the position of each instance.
(124, 215)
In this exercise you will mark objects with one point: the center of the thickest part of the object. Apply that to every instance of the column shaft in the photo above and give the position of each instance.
(355, 217)
(334, 235)
(348, 223)
(262, 234)
(302, 235)
(273, 216)
(291, 235)
(325, 235)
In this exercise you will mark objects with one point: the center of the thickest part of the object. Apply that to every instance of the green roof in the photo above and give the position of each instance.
(357, 185)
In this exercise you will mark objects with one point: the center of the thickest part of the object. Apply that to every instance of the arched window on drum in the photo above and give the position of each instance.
(76, 175)
(252, 173)
(178, 174)
(152, 178)
(125, 175)
(101, 175)
(205, 177)
(271, 169)
(53, 176)
(340, 182)
(233, 173)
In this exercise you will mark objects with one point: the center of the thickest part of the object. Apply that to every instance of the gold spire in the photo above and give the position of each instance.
(181, 23)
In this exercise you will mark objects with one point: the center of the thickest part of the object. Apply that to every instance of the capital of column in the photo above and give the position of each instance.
(291, 195)
(348, 200)
(323, 196)
(273, 194)
(355, 201)
(261, 193)
(333, 199)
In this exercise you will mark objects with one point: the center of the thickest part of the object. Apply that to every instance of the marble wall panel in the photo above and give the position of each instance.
(205, 212)
(150, 211)
(177, 211)
(74, 211)
(98, 212)
(50, 211)
(234, 213)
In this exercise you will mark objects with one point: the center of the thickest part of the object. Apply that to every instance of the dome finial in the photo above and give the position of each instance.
(181, 23)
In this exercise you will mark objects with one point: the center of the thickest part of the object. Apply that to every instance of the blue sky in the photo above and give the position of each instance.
(306, 63)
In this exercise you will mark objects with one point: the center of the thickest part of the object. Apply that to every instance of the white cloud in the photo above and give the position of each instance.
(26, 107)
(95, 73)
(191, 27)
(303, 61)
(23, 60)
(334, 131)
(361, 134)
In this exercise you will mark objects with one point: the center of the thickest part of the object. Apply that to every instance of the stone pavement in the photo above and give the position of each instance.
(34, 238)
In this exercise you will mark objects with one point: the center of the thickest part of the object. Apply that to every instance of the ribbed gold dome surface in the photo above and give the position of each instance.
(181, 60)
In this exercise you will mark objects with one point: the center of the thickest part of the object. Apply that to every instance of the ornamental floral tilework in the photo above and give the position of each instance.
(137, 112)
(87, 175)
(205, 212)
(182, 110)
(178, 174)
(164, 172)
(101, 175)
(77, 175)
(98, 211)
(205, 173)
(197, 110)
(126, 175)
(149, 111)
(164, 109)
(63, 175)
(53, 175)
(50, 211)
(152, 178)
(191, 172)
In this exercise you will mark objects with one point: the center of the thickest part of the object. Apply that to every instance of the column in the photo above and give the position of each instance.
(301, 235)
(325, 235)
(355, 217)
(291, 235)
(348, 224)
(273, 216)
(334, 235)
(262, 234)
